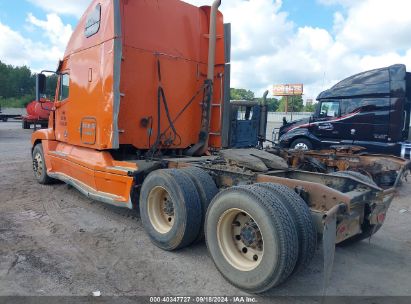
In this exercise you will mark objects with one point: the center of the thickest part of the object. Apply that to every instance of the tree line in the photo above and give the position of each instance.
(295, 103)
(17, 86)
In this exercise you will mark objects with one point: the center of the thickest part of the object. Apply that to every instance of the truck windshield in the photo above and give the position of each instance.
(330, 109)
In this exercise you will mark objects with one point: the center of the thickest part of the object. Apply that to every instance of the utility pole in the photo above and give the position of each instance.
(286, 105)
(292, 105)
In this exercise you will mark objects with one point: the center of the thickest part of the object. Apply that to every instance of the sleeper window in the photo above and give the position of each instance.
(93, 22)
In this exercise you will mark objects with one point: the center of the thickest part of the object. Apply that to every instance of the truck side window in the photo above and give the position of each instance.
(64, 87)
(330, 109)
(365, 105)
(245, 113)
(351, 105)
(93, 22)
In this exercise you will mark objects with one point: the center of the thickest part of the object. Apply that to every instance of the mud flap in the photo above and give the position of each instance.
(329, 238)
(374, 230)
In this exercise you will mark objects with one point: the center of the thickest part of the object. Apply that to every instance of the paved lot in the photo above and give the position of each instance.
(54, 241)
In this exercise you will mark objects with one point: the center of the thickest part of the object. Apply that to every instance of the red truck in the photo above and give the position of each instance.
(37, 114)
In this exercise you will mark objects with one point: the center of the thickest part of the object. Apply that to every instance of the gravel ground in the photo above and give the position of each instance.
(54, 241)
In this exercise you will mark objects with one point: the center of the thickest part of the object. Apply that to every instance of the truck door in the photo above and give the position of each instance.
(326, 126)
(367, 120)
(62, 103)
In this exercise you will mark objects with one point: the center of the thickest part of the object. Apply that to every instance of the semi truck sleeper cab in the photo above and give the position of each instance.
(142, 119)
(370, 109)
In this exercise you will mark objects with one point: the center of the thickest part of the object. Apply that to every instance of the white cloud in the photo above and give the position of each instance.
(337, 2)
(377, 25)
(19, 50)
(72, 7)
(13, 50)
(268, 48)
(54, 29)
(41, 54)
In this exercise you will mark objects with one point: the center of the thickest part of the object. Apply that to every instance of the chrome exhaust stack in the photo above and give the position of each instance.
(200, 148)
(213, 39)
(262, 130)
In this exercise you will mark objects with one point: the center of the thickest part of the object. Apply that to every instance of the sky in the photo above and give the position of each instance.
(314, 42)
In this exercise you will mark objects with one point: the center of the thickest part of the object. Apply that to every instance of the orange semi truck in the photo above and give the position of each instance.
(142, 119)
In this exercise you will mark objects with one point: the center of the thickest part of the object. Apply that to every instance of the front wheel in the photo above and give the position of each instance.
(39, 166)
(301, 144)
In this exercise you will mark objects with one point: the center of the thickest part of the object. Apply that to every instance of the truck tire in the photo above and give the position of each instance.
(170, 209)
(367, 229)
(206, 189)
(251, 238)
(39, 166)
(301, 144)
(307, 234)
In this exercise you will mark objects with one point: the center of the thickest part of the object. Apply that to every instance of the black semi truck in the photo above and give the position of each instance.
(370, 109)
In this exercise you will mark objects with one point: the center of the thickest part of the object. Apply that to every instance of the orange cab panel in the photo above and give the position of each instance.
(90, 168)
(166, 49)
(121, 58)
(88, 91)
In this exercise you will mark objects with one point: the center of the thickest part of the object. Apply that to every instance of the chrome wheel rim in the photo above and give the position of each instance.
(301, 146)
(160, 209)
(38, 165)
(240, 239)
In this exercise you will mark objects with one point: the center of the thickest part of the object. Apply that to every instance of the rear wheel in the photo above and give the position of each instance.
(307, 234)
(367, 229)
(251, 238)
(39, 166)
(301, 144)
(170, 209)
(206, 189)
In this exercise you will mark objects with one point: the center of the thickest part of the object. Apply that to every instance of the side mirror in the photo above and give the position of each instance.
(40, 86)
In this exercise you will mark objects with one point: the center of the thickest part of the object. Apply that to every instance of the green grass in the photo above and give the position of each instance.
(16, 102)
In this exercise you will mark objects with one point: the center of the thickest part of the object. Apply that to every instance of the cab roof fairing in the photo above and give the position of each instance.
(388, 81)
(79, 40)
